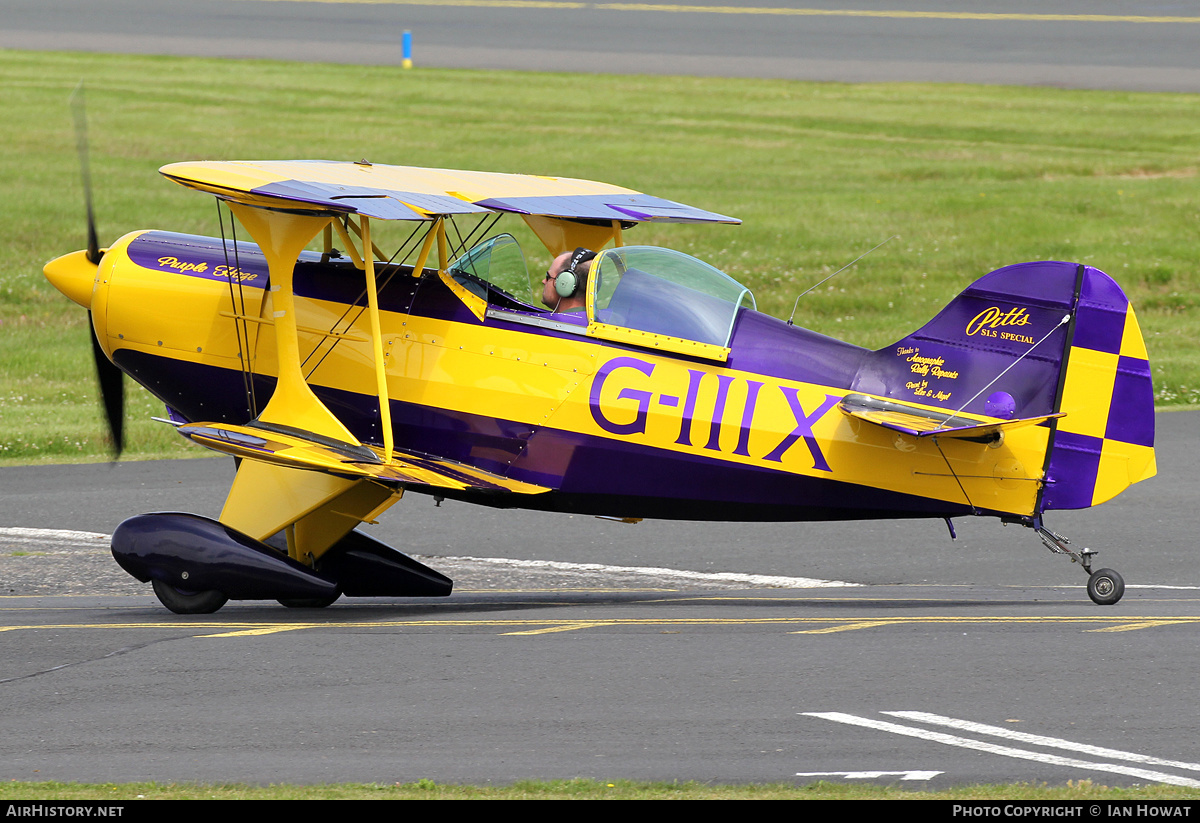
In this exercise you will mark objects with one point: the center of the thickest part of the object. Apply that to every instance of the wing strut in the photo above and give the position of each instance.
(385, 408)
(282, 236)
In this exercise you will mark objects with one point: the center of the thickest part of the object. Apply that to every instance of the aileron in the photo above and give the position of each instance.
(302, 450)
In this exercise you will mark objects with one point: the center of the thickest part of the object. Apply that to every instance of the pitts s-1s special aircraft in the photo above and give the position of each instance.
(341, 379)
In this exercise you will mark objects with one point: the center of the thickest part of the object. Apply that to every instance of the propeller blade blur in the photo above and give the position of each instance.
(112, 392)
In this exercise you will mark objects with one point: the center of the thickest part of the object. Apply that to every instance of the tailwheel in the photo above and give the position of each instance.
(1105, 587)
(182, 601)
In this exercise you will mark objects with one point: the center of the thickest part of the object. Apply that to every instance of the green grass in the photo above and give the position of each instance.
(580, 790)
(971, 178)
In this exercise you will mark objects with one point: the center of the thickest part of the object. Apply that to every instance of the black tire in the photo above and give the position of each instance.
(185, 602)
(310, 602)
(1105, 587)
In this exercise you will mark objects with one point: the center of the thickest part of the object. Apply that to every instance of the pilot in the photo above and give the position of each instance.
(564, 288)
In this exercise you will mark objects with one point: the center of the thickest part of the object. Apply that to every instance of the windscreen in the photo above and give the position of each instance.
(495, 264)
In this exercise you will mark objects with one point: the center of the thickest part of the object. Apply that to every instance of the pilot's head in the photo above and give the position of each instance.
(565, 285)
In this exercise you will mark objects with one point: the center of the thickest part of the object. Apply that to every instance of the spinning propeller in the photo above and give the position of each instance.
(112, 389)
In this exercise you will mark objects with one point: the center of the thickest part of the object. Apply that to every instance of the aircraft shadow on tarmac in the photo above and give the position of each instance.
(774, 600)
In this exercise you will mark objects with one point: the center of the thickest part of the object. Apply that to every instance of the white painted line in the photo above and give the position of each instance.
(1004, 751)
(22, 535)
(912, 774)
(1039, 740)
(51, 535)
(727, 577)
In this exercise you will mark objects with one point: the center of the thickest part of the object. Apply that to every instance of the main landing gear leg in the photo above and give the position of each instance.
(1105, 586)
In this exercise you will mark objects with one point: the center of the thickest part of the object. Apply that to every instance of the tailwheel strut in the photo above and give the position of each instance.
(1105, 587)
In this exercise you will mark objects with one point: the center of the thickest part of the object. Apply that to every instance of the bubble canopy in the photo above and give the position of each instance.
(666, 292)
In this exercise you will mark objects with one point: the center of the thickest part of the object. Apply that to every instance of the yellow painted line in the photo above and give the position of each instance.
(555, 629)
(898, 14)
(848, 627)
(256, 632)
(1143, 624)
(802, 625)
(776, 11)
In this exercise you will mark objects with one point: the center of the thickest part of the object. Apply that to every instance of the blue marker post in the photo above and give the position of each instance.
(406, 47)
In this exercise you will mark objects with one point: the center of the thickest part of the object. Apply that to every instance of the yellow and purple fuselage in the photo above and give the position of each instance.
(625, 429)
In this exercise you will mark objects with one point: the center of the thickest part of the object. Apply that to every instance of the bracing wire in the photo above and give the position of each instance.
(238, 305)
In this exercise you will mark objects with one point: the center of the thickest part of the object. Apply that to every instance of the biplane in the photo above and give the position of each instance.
(342, 375)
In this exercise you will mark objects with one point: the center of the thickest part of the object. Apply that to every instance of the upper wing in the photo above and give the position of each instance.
(411, 193)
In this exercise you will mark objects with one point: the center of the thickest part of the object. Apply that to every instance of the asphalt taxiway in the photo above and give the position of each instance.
(492, 687)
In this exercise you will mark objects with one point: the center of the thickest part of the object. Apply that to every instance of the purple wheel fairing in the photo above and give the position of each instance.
(195, 554)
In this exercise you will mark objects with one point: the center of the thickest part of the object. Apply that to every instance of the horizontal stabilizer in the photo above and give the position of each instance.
(921, 422)
(296, 449)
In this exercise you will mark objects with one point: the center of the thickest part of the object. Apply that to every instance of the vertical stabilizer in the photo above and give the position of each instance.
(1105, 443)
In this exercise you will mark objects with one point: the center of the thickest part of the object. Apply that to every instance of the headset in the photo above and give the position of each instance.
(567, 282)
